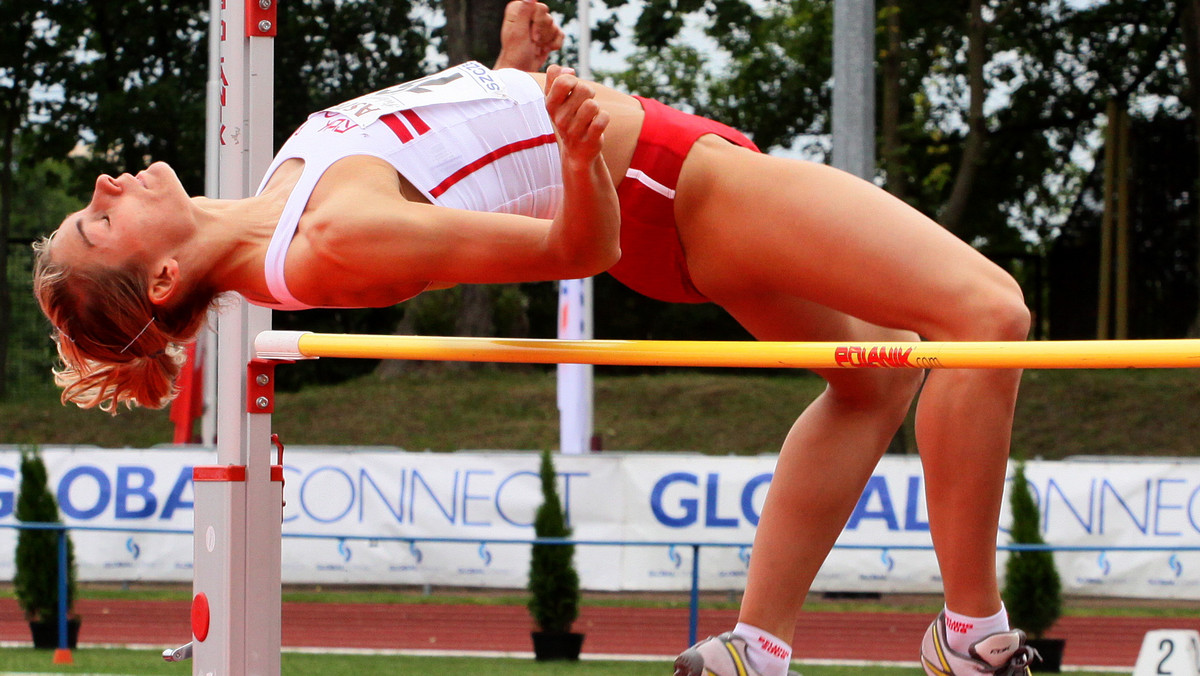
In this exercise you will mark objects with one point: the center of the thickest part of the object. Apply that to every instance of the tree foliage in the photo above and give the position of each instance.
(35, 580)
(553, 580)
(1032, 587)
(1006, 147)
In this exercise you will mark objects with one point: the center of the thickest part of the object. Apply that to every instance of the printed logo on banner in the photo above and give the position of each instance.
(743, 558)
(485, 558)
(344, 551)
(132, 547)
(1172, 574)
(415, 552)
(888, 562)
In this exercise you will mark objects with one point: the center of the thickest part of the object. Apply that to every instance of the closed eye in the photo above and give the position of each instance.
(79, 228)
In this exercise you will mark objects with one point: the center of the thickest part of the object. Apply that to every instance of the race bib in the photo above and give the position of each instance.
(470, 81)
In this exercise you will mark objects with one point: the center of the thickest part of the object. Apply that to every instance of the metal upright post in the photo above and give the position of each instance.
(854, 87)
(236, 605)
(575, 317)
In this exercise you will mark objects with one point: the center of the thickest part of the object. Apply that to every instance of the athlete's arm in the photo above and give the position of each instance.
(528, 37)
(374, 240)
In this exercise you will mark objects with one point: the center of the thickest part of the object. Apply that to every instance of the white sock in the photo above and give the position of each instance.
(962, 631)
(768, 655)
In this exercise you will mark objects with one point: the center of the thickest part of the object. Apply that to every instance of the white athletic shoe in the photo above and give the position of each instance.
(723, 655)
(1004, 653)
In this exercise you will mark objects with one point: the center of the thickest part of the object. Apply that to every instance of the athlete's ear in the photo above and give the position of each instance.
(164, 282)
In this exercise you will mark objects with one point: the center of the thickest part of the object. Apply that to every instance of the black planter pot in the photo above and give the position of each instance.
(45, 634)
(556, 645)
(1051, 650)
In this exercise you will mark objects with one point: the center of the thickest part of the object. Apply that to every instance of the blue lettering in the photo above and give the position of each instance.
(748, 493)
(912, 507)
(1046, 505)
(6, 497)
(468, 497)
(711, 520)
(1160, 506)
(126, 489)
(1191, 510)
(876, 485)
(103, 493)
(324, 498)
(397, 512)
(566, 495)
(175, 500)
(1106, 488)
(451, 516)
(690, 505)
(500, 489)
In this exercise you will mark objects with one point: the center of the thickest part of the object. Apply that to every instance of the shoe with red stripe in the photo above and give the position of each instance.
(723, 655)
(1003, 654)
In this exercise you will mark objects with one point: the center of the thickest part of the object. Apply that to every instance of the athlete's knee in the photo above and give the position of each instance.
(1005, 316)
(887, 391)
(995, 311)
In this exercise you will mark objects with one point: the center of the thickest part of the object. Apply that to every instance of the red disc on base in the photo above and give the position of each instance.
(200, 617)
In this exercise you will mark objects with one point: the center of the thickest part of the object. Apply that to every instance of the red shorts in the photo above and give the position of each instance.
(652, 261)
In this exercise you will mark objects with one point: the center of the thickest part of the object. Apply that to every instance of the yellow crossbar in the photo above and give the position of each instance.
(1080, 354)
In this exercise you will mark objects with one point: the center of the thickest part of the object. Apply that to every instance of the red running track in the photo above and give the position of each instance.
(873, 636)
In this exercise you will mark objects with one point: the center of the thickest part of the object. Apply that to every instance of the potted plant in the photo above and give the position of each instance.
(1032, 588)
(35, 580)
(553, 580)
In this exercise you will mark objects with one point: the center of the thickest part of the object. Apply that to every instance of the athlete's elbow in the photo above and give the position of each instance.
(606, 257)
(592, 261)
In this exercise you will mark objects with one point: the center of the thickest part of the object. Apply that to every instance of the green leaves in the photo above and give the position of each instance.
(553, 580)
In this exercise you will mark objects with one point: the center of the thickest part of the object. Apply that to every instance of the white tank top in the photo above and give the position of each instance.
(467, 138)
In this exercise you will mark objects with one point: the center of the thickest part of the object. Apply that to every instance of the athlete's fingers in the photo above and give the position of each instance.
(566, 105)
(560, 85)
(581, 130)
(520, 11)
(545, 32)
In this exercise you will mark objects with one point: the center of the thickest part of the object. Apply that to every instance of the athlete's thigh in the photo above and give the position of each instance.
(783, 317)
(750, 221)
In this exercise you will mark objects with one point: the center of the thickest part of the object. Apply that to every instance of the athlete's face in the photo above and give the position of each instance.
(129, 217)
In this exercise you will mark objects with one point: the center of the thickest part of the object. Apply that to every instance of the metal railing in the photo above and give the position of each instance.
(694, 592)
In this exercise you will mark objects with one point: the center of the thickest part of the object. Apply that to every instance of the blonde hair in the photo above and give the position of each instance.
(114, 345)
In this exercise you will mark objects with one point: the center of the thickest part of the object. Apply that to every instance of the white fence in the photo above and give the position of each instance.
(1132, 527)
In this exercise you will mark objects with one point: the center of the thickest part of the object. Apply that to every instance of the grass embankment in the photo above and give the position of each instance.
(1060, 413)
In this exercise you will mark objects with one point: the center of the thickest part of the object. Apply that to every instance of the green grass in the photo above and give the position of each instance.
(120, 661)
(1060, 413)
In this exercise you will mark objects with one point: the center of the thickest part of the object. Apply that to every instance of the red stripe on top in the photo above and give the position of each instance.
(397, 127)
(487, 159)
(415, 120)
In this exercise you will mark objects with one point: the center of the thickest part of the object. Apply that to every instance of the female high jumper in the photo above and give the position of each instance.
(477, 176)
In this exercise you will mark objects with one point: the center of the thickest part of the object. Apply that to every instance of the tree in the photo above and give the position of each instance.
(1190, 32)
(1032, 587)
(33, 56)
(553, 580)
(35, 580)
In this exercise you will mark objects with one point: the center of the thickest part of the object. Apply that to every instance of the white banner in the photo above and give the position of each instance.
(382, 505)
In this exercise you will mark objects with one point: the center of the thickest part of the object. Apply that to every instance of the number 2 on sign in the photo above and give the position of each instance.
(1167, 647)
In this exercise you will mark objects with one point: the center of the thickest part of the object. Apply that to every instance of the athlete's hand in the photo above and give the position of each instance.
(529, 35)
(577, 117)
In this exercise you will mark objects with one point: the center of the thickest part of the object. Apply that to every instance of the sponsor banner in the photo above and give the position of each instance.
(379, 507)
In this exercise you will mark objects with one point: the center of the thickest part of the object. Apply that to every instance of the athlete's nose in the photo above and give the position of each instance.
(107, 185)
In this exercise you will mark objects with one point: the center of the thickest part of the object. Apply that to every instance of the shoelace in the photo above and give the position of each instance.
(1016, 665)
